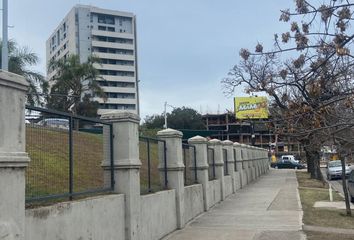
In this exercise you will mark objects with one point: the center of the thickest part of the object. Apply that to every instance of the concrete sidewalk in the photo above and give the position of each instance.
(268, 209)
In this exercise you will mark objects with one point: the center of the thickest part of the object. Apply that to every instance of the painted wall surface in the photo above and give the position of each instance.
(95, 218)
(193, 201)
(228, 185)
(157, 215)
(214, 192)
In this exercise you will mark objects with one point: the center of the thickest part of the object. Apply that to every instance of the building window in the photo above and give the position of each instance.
(110, 29)
(58, 37)
(118, 106)
(116, 84)
(102, 28)
(106, 19)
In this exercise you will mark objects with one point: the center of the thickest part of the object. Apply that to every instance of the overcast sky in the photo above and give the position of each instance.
(185, 47)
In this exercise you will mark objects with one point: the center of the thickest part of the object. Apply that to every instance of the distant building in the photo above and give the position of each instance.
(109, 35)
(253, 132)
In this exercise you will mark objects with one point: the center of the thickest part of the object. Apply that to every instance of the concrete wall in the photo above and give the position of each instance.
(125, 214)
(94, 218)
(214, 192)
(238, 180)
(193, 201)
(228, 185)
(157, 215)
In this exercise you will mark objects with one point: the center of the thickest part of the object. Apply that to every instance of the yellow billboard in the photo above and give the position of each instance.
(251, 107)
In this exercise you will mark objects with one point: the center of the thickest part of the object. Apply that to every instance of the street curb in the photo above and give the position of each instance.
(328, 229)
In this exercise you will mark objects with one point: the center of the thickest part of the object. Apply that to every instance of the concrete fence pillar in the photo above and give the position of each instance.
(258, 157)
(253, 162)
(230, 162)
(200, 144)
(244, 154)
(239, 170)
(175, 168)
(219, 164)
(266, 161)
(13, 156)
(126, 166)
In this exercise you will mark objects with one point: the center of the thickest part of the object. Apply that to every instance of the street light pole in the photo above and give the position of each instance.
(5, 50)
(165, 115)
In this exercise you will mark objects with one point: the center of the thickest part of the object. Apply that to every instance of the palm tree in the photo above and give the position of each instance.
(72, 81)
(20, 61)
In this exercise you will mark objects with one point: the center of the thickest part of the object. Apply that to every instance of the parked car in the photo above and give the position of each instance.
(351, 186)
(334, 170)
(289, 157)
(55, 122)
(286, 163)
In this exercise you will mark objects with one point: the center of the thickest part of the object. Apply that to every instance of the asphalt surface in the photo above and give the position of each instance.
(335, 183)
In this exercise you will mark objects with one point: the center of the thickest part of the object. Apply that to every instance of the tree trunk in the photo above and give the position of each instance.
(345, 189)
(309, 161)
(313, 160)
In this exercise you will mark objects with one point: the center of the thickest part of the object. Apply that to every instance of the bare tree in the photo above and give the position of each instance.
(308, 74)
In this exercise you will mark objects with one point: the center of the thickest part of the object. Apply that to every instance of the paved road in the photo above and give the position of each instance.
(335, 183)
(265, 210)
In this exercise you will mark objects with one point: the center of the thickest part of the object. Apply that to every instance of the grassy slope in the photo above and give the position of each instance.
(48, 172)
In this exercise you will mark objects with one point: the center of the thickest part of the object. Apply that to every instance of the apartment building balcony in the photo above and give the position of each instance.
(96, 43)
(114, 56)
(114, 67)
(119, 89)
(116, 100)
(112, 34)
(118, 78)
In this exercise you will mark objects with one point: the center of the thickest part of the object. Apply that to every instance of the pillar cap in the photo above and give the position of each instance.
(12, 80)
(115, 116)
(227, 143)
(214, 142)
(197, 140)
(237, 144)
(170, 133)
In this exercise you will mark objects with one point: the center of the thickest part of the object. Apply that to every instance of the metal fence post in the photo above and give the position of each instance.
(71, 161)
(13, 158)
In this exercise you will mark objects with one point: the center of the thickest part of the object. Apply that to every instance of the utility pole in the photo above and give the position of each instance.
(5, 50)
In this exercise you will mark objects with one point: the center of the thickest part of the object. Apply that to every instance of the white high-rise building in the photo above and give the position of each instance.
(109, 35)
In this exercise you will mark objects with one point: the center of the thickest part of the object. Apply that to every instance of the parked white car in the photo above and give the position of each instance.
(55, 122)
(334, 170)
(290, 158)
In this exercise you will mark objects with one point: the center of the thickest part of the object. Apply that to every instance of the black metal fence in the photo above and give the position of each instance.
(150, 178)
(190, 164)
(67, 153)
(211, 162)
(226, 165)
